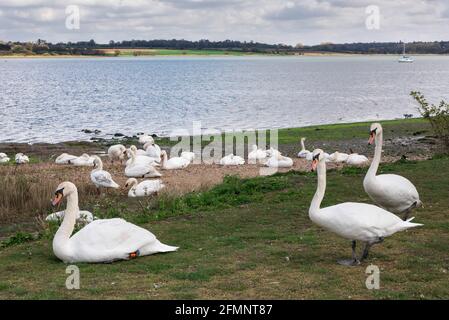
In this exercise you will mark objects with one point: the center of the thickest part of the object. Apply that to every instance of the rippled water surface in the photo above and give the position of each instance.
(52, 100)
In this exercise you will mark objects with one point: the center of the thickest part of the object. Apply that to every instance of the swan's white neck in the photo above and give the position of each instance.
(321, 189)
(164, 159)
(303, 147)
(62, 236)
(99, 166)
(377, 156)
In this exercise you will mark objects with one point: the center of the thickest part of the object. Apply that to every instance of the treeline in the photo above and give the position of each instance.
(93, 48)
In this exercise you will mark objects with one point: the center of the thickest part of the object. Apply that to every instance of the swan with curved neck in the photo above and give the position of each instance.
(100, 177)
(117, 152)
(390, 191)
(173, 163)
(351, 220)
(144, 188)
(138, 167)
(304, 153)
(104, 240)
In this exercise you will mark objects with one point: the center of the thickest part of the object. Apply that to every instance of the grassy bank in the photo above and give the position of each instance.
(253, 239)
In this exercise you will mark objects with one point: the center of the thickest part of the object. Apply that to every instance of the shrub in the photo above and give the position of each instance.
(438, 115)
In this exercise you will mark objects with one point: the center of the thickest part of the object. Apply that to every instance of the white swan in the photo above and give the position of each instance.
(154, 151)
(143, 139)
(279, 161)
(272, 152)
(138, 152)
(173, 163)
(144, 188)
(232, 160)
(101, 178)
(83, 161)
(83, 216)
(64, 158)
(188, 155)
(117, 152)
(4, 158)
(354, 221)
(20, 158)
(143, 159)
(355, 159)
(304, 153)
(103, 240)
(257, 154)
(140, 169)
(390, 191)
(338, 157)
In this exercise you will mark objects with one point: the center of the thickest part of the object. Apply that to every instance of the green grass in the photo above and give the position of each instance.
(252, 238)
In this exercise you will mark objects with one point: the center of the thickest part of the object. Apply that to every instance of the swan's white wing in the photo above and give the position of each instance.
(109, 240)
(103, 178)
(359, 221)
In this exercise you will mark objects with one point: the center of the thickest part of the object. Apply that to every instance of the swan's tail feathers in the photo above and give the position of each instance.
(115, 185)
(407, 224)
(165, 248)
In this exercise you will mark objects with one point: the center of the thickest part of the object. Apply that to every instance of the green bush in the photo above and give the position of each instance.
(438, 115)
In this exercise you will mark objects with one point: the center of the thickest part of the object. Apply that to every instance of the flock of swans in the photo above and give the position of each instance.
(107, 240)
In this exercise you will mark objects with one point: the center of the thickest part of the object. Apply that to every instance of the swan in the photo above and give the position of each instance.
(232, 160)
(390, 191)
(354, 221)
(103, 240)
(138, 152)
(355, 159)
(144, 188)
(173, 163)
(117, 152)
(140, 169)
(304, 153)
(101, 178)
(4, 158)
(143, 139)
(279, 161)
(82, 216)
(144, 159)
(64, 158)
(153, 151)
(20, 158)
(83, 161)
(257, 154)
(272, 152)
(188, 155)
(338, 157)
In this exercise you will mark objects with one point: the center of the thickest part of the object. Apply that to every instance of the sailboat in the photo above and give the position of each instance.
(404, 57)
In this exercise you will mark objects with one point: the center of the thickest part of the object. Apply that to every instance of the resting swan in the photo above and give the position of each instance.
(82, 216)
(257, 154)
(143, 159)
(64, 158)
(188, 155)
(144, 188)
(390, 191)
(21, 158)
(3, 158)
(143, 139)
(140, 169)
(338, 157)
(104, 240)
(355, 159)
(354, 221)
(304, 153)
(173, 163)
(101, 178)
(83, 160)
(154, 151)
(279, 161)
(232, 160)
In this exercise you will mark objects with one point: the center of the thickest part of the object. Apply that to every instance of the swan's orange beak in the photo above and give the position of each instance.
(56, 200)
(314, 164)
(372, 135)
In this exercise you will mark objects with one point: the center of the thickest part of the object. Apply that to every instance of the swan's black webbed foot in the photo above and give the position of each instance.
(351, 262)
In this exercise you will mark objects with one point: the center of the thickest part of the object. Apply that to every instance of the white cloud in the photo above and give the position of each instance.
(273, 21)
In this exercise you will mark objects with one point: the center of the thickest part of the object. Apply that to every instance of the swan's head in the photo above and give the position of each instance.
(130, 182)
(317, 156)
(303, 139)
(133, 148)
(97, 161)
(254, 147)
(374, 130)
(63, 190)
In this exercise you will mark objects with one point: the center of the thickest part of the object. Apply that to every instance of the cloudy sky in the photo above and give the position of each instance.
(271, 21)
